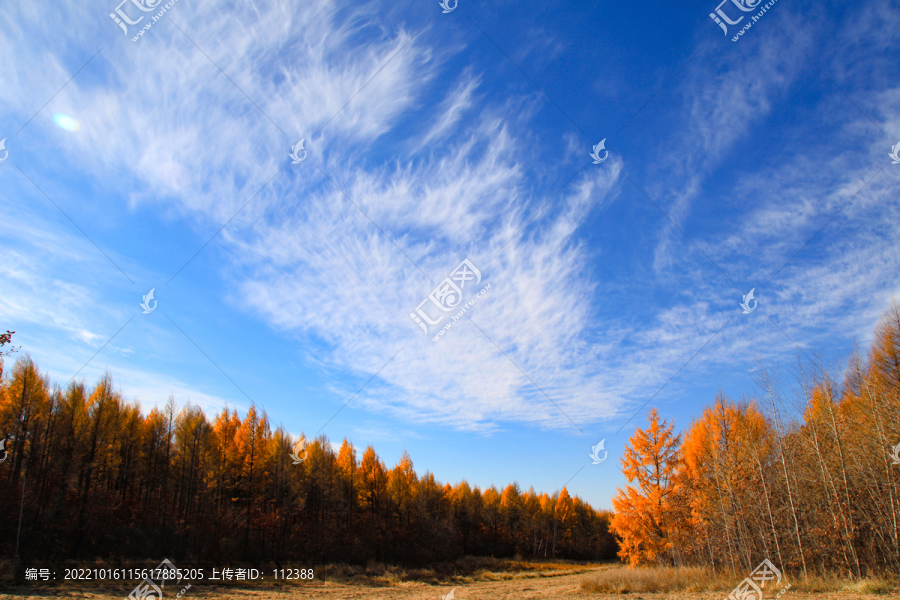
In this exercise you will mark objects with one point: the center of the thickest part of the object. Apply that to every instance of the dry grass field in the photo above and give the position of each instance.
(532, 581)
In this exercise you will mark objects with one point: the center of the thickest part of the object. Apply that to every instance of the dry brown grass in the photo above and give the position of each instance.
(623, 580)
(541, 581)
(481, 578)
(465, 570)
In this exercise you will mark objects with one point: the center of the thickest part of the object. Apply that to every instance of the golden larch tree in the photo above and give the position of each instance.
(642, 520)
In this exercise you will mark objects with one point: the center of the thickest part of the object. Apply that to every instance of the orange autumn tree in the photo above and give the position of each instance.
(642, 519)
(728, 476)
(83, 464)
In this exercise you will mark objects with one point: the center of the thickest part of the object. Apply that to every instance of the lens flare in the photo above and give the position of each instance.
(66, 122)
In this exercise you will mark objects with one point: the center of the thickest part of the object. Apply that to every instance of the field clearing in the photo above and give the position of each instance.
(561, 583)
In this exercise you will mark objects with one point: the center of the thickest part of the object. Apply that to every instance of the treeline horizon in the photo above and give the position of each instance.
(102, 479)
(802, 477)
(805, 479)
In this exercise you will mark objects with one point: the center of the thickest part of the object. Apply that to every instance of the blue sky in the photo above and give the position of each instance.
(434, 137)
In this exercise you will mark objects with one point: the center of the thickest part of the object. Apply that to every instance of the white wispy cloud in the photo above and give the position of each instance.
(177, 134)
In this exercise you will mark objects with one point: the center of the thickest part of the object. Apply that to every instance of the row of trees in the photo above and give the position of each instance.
(102, 479)
(806, 479)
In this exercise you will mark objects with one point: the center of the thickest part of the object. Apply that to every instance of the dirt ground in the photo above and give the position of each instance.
(520, 587)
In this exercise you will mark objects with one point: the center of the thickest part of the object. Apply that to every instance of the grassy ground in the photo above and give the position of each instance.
(463, 571)
(619, 580)
(483, 579)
